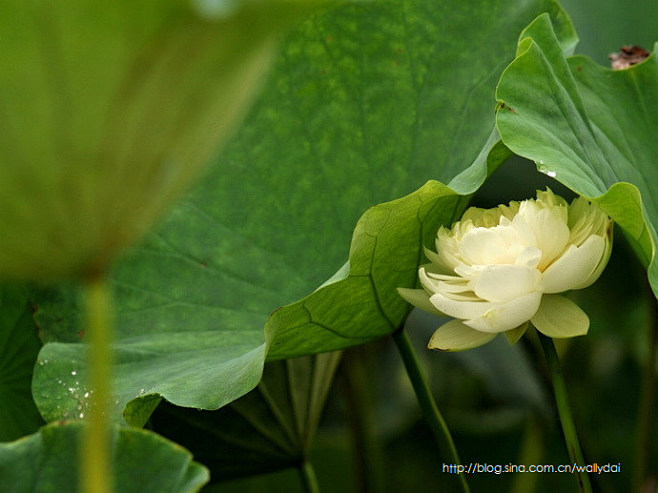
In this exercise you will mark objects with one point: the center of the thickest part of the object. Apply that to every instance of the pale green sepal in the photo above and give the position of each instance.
(419, 298)
(514, 335)
(560, 317)
(457, 336)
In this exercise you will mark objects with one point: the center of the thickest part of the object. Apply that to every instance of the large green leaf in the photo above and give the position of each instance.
(48, 462)
(19, 346)
(153, 358)
(591, 128)
(385, 254)
(108, 111)
(367, 102)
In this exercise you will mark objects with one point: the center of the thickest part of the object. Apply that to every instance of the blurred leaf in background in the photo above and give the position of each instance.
(109, 111)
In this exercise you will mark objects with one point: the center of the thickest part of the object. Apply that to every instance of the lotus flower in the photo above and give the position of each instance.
(497, 269)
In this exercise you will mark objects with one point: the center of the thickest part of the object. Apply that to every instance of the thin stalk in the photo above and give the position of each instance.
(564, 411)
(357, 389)
(646, 413)
(96, 476)
(532, 451)
(307, 476)
(427, 403)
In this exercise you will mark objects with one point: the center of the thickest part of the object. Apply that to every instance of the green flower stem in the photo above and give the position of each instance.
(564, 411)
(357, 389)
(531, 452)
(426, 401)
(307, 475)
(96, 476)
(646, 414)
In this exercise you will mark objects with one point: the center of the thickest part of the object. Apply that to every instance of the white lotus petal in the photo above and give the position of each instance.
(482, 246)
(526, 235)
(560, 317)
(441, 277)
(469, 271)
(586, 219)
(441, 263)
(420, 299)
(463, 296)
(549, 227)
(529, 257)
(505, 316)
(460, 309)
(433, 257)
(455, 336)
(549, 199)
(575, 266)
(429, 284)
(505, 282)
(602, 263)
(459, 285)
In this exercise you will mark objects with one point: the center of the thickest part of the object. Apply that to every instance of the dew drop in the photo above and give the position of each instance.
(74, 373)
(81, 415)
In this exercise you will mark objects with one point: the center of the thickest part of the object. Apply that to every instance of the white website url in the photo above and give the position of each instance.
(484, 468)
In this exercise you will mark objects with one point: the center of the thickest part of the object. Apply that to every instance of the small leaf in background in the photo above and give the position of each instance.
(268, 429)
(47, 462)
(19, 346)
(589, 127)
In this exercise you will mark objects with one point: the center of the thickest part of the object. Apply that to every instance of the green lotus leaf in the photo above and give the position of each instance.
(384, 255)
(192, 366)
(48, 462)
(591, 128)
(109, 110)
